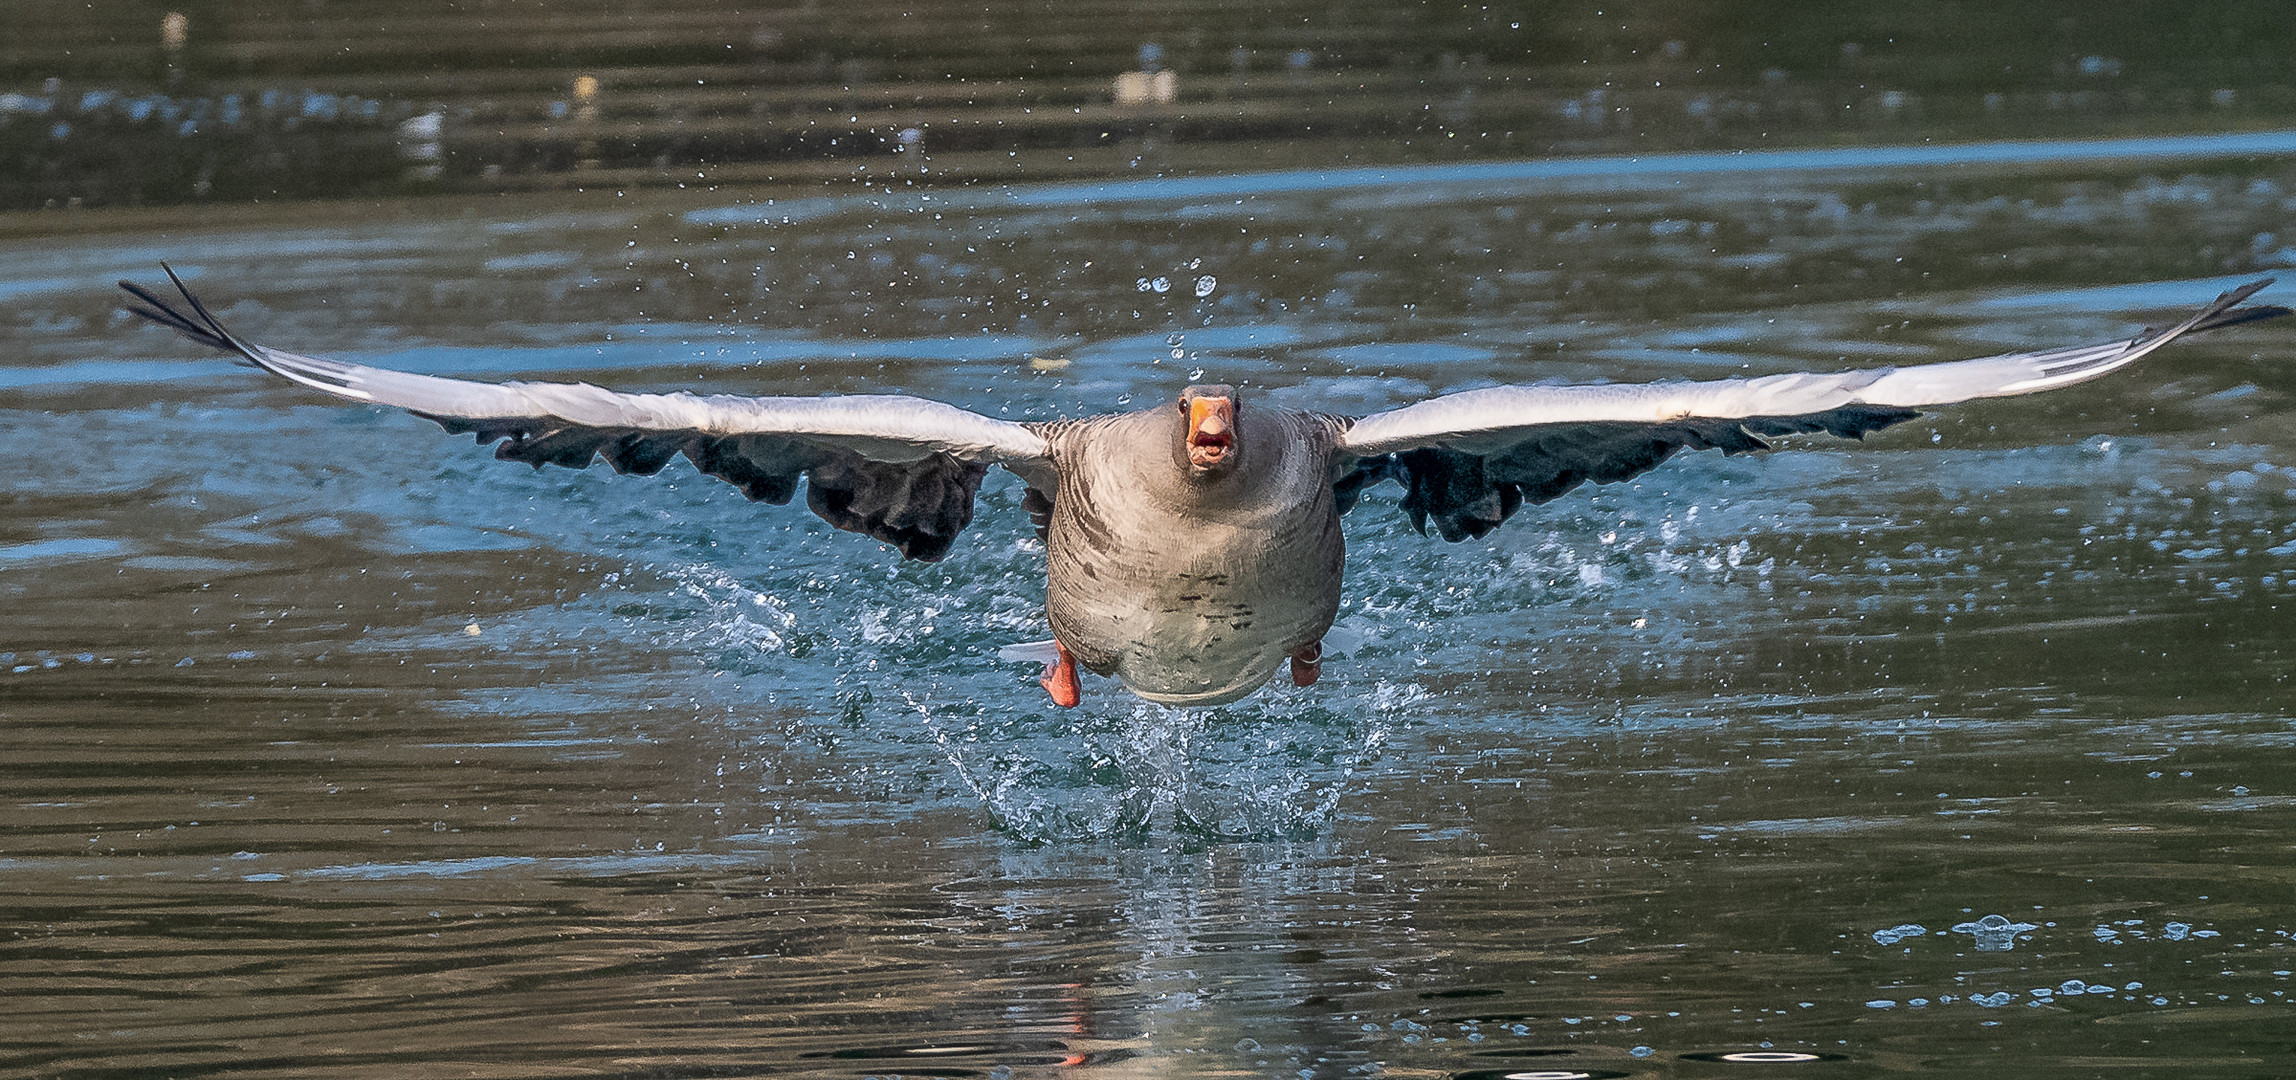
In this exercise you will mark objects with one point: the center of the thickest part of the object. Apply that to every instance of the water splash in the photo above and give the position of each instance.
(1272, 767)
(1994, 933)
(1900, 932)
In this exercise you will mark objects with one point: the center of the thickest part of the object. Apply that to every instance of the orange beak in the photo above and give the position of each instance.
(1211, 431)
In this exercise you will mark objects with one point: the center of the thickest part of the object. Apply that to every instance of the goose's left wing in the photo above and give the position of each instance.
(901, 469)
(1470, 459)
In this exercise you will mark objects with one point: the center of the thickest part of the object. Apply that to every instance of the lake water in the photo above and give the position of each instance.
(336, 748)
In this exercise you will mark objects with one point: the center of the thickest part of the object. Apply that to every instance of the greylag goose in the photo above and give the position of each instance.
(1191, 551)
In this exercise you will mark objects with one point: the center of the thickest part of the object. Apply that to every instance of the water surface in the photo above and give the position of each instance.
(337, 748)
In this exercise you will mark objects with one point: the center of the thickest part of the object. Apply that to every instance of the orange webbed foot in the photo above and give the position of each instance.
(1307, 663)
(1059, 678)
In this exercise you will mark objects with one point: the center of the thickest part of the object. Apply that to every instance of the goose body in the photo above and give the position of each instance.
(1191, 548)
(1192, 591)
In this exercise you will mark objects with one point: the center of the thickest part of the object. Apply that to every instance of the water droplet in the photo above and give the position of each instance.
(1161, 285)
(1898, 933)
(1205, 285)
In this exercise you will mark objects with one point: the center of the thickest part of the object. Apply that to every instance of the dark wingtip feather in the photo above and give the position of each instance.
(205, 329)
(2236, 316)
(2235, 296)
(2221, 312)
(157, 310)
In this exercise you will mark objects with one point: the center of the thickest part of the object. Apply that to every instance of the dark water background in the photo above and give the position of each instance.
(130, 102)
(335, 748)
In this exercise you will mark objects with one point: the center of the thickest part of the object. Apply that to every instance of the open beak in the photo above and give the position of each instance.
(1211, 431)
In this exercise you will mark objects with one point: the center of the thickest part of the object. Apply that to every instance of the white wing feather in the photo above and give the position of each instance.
(881, 427)
(1484, 421)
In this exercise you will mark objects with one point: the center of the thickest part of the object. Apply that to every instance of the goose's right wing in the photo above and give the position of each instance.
(898, 468)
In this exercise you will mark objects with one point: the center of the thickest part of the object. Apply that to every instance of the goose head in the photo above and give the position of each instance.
(1209, 441)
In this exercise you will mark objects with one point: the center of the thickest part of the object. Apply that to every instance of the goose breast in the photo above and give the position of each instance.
(1192, 591)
